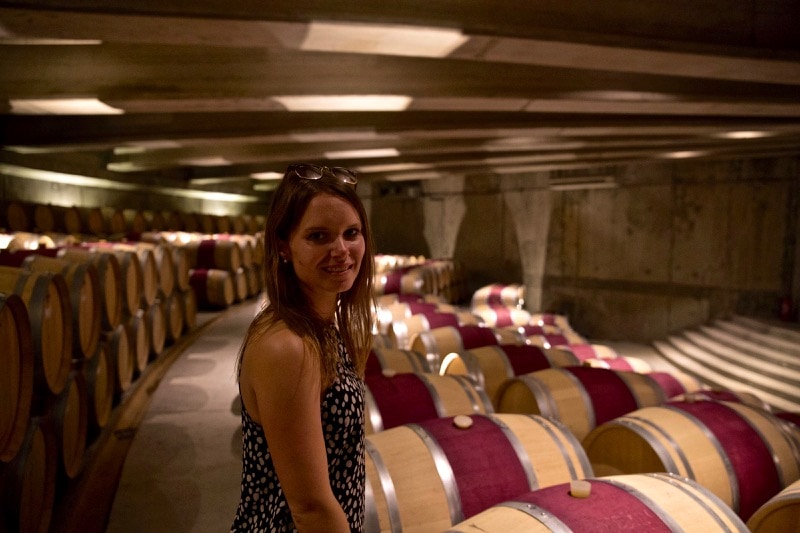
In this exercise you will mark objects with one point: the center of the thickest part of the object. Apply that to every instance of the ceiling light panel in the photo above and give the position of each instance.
(353, 102)
(416, 41)
(62, 106)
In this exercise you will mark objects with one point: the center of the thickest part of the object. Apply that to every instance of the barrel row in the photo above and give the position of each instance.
(68, 360)
(513, 472)
(438, 277)
(587, 400)
(223, 268)
(739, 475)
(103, 221)
(220, 270)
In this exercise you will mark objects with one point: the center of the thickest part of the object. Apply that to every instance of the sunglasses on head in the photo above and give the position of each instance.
(308, 171)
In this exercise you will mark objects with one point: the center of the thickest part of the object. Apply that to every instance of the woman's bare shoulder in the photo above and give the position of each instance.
(276, 347)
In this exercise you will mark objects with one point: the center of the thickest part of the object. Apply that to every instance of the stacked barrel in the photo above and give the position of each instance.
(662, 442)
(82, 316)
(417, 275)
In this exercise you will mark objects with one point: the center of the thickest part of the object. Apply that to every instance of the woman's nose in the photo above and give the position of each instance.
(339, 246)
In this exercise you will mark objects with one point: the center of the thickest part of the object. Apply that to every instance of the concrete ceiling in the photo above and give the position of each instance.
(199, 89)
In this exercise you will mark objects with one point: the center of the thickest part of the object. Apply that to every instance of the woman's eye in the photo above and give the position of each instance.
(352, 233)
(316, 236)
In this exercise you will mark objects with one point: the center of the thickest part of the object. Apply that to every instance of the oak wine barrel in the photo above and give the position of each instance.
(212, 288)
(396, 359)
(779, 514)
(580, 397)
(427, 476)
(652, 502)
(16, 377)
(98, 373)
(438, 342)
(741, 453)
(109, 274)
(46, 298)
(83, 285)
(119, 350)
(394, 399)
(490, 366)
(28, 482)
(500, 294)
(68, 413)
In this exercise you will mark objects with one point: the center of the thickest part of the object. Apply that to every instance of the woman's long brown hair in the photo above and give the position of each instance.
(286, 301)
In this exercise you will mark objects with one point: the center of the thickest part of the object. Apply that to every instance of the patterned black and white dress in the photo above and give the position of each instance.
(262, 506)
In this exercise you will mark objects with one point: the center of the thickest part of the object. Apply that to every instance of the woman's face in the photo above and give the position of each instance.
(326, 250)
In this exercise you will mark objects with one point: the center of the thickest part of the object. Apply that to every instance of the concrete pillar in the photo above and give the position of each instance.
(529, 200)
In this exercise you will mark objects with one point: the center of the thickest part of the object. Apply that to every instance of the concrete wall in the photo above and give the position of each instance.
(675, 245)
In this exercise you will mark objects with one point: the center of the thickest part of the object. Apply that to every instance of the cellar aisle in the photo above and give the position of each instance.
(182, 470)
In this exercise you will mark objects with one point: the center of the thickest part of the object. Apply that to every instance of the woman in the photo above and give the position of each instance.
(302, 361)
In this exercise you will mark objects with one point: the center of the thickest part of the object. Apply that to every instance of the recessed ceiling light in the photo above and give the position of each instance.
(367, 153)
(684, 154)
(353, 102)
(266, 176)
(32, 41)
(412, 176)
(417, 41)
(745, 134)
(621, 96)
(395, 167)
(62, 106)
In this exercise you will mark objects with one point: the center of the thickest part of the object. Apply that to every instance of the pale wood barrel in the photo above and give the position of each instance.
(114, 220)
(28, 482)
(68, 414)
(779, 514)
(500, 294)
(652, 502)
(47, 300)
(428, 476)
(139, 338)
(436, 343)
(83, 285)
(16, 377)
(402, 331)
(135, 220)
(220, 254)
(499, 316)
(109, 273)
(582, 398)
(212, 288)
(675, 383)
(19, 216)
(44, 218)
(394, 399)
(189, 309)
(156, 319)
(240, 288)
(181, 262)
(165, 266)
(741, 453)
(119, 350)
(491, 366)
(396, 359)
(174, 316)
(98, 372)
(624, 363)
(131, 275)
(407, 280)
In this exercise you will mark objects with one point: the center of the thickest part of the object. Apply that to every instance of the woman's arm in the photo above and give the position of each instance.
(281, 388)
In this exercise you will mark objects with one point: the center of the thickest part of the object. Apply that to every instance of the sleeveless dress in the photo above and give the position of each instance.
(262, 506)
